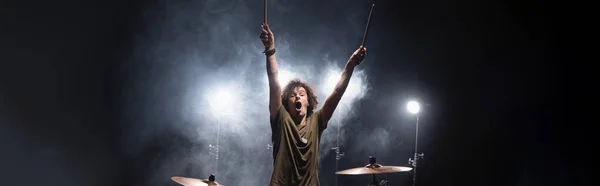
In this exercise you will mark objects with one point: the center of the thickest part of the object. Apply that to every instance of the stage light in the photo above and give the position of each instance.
(331, 81)
(413, 107)
(356, 89)
(284, 77)
(221, 99)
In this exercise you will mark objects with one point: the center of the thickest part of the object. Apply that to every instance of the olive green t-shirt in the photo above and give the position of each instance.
(296, 150)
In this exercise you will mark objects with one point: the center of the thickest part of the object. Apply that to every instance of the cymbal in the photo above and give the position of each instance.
(194, 182)
(374, 169)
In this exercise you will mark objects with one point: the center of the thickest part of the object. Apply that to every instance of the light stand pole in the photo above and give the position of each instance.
(214, 149)
(220, 99)
(417, 156)
(414, 108)
(338, 154)
(270, 149)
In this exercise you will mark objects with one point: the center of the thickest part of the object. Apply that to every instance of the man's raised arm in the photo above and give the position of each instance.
(268, 41)
(335, 97)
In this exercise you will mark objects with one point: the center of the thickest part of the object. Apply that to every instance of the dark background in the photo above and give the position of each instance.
(490, 68)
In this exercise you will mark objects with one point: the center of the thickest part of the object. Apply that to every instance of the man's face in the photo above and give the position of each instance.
(297, 102)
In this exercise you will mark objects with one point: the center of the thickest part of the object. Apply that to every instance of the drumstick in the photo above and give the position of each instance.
(265, 15)
(367, 28)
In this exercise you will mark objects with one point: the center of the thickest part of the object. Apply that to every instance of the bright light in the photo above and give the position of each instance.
(413, 107)
(284, 77)
(356, 87)
(332, 81)
(221, 99)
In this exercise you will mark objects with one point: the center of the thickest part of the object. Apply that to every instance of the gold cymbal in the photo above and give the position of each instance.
(194, 182)
(374, 169)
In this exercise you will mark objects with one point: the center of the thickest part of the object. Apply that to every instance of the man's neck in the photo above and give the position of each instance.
(299, 120)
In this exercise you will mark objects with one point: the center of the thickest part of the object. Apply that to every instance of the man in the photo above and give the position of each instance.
(296, 128)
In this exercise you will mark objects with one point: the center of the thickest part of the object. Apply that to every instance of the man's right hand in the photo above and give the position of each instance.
(266, 37)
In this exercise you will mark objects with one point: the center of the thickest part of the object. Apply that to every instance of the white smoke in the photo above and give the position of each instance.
(198, 73)
(357, 89)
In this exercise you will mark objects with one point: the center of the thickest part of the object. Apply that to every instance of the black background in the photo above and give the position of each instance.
(492, 69)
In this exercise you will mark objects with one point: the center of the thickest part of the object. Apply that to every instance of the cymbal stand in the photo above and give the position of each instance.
(417, 156)
(373, 163)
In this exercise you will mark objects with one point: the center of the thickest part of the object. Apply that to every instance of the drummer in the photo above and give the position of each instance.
(296, 125)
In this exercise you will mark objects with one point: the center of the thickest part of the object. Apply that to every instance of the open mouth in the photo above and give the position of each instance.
(298, 105)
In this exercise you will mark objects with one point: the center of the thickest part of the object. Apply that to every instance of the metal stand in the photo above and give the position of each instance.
(270, 149)
(374, 181)
(214, 149)
(417, 156)
(338, 154)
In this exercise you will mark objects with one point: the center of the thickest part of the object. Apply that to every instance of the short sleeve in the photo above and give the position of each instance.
(277, 121)
(320, 123)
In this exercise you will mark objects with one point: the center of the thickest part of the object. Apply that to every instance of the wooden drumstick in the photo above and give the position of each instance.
(265, 15)
(367, 28)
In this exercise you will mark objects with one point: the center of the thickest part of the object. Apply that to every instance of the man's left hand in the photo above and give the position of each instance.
(358, 56)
